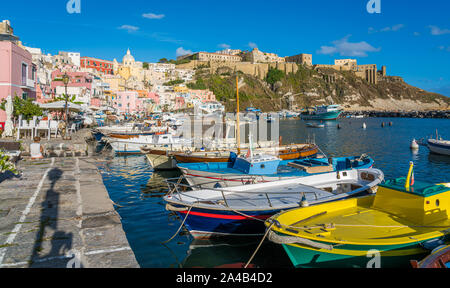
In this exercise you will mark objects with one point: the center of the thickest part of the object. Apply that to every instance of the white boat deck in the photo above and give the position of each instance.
(289, 195)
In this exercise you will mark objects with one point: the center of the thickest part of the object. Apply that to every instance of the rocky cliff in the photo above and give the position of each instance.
(309, 87)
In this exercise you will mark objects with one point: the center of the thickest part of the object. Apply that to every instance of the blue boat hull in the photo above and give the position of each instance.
(206, 223)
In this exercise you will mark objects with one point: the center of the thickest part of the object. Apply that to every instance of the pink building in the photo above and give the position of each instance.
(17, 73)
(80, 85)
(179, 103)
(154, 97)
(203, 95)
(128, 102)
(96, 102)
(43, 94)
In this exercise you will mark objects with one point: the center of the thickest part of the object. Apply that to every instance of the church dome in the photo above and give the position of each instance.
(128, 59)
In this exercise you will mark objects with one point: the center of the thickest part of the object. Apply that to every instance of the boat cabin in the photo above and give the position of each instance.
(257, 164)
(163, 139)
(422, 203)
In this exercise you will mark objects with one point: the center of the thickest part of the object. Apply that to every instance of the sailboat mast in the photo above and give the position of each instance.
(238, 127)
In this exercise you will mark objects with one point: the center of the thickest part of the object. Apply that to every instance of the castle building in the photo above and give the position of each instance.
(215, 57)
(257, 56)
(303, 59)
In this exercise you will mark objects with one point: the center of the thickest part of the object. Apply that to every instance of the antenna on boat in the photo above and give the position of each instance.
(238, 132)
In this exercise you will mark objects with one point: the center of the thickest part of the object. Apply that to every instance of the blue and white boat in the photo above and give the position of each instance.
(231, 174)
(439, 146)
(241, 210)
(325, 112)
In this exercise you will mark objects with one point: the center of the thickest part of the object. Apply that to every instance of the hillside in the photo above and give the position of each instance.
(309, 87)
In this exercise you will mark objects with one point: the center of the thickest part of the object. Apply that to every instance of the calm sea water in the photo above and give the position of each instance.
(137, 190)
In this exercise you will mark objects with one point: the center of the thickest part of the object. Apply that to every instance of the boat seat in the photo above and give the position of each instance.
(312, 170)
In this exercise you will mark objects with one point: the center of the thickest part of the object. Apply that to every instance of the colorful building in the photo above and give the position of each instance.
(102, 66)
(80, 85)
(17, 73)
(128, 102)
(203, 96)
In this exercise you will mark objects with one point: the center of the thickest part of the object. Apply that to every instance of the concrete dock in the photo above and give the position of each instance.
(58, 214)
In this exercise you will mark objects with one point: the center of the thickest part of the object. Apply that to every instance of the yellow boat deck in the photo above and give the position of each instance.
(357, 222)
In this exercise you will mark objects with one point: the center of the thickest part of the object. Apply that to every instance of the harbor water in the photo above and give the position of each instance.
(137, 190)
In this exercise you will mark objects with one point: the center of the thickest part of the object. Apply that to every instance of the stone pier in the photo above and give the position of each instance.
(58, 214)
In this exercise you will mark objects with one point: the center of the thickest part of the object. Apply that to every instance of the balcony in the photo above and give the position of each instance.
(28, 84)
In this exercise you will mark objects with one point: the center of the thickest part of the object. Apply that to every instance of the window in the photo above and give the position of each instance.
(24, 74)
(33, 74)
(24, 95)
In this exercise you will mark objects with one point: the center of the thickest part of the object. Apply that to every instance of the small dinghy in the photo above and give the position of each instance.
(439, 258)
(314, 125)
(241, 210)
(414, 145)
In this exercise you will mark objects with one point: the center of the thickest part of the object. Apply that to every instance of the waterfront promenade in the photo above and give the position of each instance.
(58, 214)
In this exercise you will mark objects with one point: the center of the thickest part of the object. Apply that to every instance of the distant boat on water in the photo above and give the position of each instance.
(330, 112)
(439, 146)
(313, 125)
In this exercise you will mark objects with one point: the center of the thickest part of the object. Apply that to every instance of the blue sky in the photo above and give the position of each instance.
(410, 37)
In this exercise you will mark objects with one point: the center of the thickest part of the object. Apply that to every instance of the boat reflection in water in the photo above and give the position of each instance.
(438, 159)
(156, 186)
(234, 253)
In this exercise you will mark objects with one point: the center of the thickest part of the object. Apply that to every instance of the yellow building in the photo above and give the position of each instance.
(180, 89)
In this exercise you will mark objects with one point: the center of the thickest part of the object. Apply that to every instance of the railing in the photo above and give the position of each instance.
(177, 189)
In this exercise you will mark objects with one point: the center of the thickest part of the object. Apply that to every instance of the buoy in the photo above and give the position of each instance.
(364, 126)
(414, 145)
(390, 123)
(338, 126)
(382, 124)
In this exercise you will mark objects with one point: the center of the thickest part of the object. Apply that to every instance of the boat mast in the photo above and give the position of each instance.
(238, 132)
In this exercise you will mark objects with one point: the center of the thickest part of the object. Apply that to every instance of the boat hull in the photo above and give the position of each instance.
(213, 180)
(322, 116)
(355, 256)
(438, 148)
(183, 158)
(126, 148)
(206, 223)
(161, 161)
(206, 178)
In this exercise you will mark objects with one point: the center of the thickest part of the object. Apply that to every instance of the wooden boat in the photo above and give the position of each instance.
(294, 151)
(286, 152)
(439, 258)
(133, 135)
(160, 158)
(384, 230)
(240, 210)
(202, 157)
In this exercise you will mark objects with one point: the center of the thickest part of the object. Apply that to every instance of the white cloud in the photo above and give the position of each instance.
(394, 28)
(224, 46)
(346, 48)
(181, 52)
(153, 16)
(252, 45)
(438, 31)
(129, 28)
(416, 34)
(443, 48)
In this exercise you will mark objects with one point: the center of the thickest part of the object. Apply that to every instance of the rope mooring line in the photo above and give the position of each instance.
(179, 229)
(269, 229)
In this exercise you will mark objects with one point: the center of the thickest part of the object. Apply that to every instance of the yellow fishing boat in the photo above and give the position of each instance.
(402, 222)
